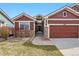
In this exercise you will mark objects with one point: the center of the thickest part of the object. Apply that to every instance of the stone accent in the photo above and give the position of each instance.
(46, 33)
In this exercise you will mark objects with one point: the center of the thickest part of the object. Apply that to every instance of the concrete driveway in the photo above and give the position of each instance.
(68, 46)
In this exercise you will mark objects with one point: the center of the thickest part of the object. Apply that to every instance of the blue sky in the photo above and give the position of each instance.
(32, 9)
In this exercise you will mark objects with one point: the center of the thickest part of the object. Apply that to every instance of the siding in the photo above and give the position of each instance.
(31, 25)
(6, 21)
(17, 26)
(23, 18)
(63, 21)
(60, 15)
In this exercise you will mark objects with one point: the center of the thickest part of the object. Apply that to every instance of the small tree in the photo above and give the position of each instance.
(4, 32)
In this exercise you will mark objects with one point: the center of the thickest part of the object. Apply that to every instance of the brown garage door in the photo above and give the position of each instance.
(63, 31)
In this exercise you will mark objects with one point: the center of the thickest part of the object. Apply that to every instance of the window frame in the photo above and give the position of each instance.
(24, 27)
(65, 14)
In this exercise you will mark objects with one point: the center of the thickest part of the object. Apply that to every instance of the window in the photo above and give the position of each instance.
(2, 23)
(75, 8)
(23, 25)
(65, 14)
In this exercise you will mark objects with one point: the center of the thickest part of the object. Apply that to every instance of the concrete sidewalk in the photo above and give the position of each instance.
(40, 41)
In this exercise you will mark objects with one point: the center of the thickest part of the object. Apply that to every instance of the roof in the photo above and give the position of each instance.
(66, 8)
(22, 15)
(74, 5)
(4, 14)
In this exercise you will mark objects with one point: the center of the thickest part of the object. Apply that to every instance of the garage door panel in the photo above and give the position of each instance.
(63, 36)
(63, 28)
(63, 31)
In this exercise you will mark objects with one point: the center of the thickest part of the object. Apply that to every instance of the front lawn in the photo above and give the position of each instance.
(20, 47)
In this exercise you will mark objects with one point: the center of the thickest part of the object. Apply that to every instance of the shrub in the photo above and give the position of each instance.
(4, 32)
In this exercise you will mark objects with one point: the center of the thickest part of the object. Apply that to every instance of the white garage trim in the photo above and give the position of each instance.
(63, 24)
(56, 24)
(62, 19)
(71, 24)
(59, 25)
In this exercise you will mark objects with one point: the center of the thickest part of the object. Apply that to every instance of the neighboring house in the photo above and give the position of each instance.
(24, 25)
(1, 23)
(5, 20)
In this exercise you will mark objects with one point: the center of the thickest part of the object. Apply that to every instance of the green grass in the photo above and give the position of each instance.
(23, 48)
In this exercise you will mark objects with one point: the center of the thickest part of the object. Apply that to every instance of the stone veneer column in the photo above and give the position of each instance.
(46, 33)
(78, 31)
(46, 29)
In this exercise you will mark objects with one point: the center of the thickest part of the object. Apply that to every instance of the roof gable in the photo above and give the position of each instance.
(64, 8)
(75, 7)
(5, 16)
(23, 17)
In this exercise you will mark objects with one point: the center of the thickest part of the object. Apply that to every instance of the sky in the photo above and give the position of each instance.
(33, 9)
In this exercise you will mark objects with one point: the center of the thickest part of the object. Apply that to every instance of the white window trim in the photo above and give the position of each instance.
(65, 12)
(28, 25)
(24, 21)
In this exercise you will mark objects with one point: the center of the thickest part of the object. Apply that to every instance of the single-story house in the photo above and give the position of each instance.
(62, 23)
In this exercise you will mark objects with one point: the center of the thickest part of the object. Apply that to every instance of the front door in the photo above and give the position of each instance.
(39, 29)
